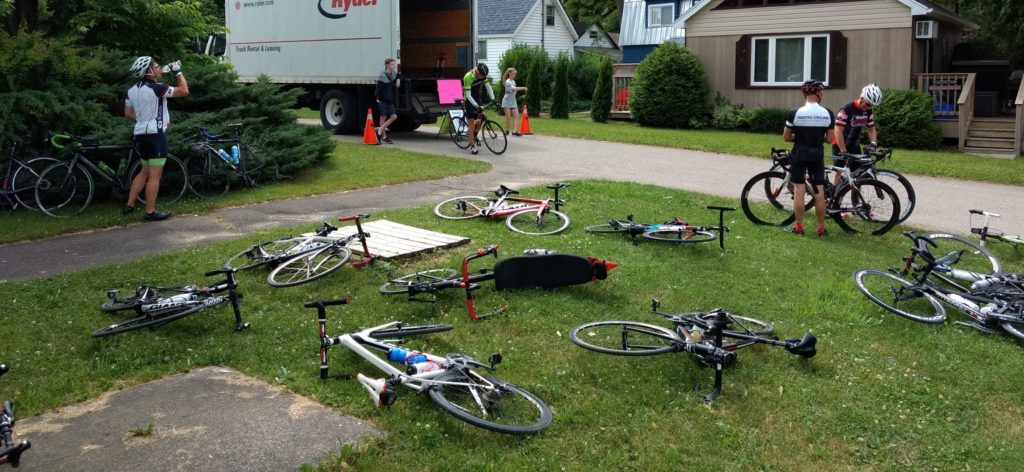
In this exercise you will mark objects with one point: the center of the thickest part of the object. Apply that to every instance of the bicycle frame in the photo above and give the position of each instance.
(464, 280)
(985, 233)
(190, 298)
(634, 229)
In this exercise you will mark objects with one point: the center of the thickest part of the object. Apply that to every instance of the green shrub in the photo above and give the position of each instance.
(904, 120)
(670, 88)
(560, 92)
(725, 115)
(521, 58)
(583, 72)
(765, 120)
(535, 84)
(601, 105)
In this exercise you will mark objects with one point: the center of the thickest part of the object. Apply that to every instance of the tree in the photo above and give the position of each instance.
(601, 105)
(605, 12)
(535, 82)
(560, 94)
(1002, 24)
(670, 89)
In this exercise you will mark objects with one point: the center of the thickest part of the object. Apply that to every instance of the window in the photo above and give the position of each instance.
(550, 16)
(593, 34)
(789, 60)
(660, 15)
(481, 49)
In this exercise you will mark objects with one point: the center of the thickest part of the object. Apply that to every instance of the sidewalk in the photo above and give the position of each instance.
(942, 204)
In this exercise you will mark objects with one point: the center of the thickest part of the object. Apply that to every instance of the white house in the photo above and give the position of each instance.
(502, 24)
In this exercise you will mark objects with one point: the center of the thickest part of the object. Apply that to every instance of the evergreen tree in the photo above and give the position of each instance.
(560, 94)
(601, 106)
(535, 82)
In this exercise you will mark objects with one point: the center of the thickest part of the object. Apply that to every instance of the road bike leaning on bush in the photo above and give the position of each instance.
(156, 306)
(856, 204)
(489, 131)
(986, 232)
(673, 231)
(10, 451)
(546, 270)
(18, 188)
(216, 163)
(993, 301)
(525, 215)
(452, 382)
(66, 188)
(711, 337)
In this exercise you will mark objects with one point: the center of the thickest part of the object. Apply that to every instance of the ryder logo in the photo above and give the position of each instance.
(343, 5)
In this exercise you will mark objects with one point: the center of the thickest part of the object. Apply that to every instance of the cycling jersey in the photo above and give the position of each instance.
(149, 100)
(851, 121)
(809, 124)
(473, 89)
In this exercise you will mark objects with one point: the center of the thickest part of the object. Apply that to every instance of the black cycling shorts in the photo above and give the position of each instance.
(472, 113)
(152, 146)
(816, 169)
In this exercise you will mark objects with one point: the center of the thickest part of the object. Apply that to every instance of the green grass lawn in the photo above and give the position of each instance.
(884, 393)
(351, 166)
(945, 163)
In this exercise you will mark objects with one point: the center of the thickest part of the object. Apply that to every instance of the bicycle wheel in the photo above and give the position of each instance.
(740, 324)
(310, 266)
(527, 222)
(258, 166)
(974, 258)
(271, 252)
(402, 284)
(23, 182)
(490, 403)
(209, 176)
(494, 137)
(145, 321)
(173, 180)
(64, 190)
(1015, 328)
(680, 235)
(625, 338)
(767, 199)
(622, 227)
(461, 208)
(458, 131)
(869, 207)
(410, 331)
(899, 296)
(903, 189)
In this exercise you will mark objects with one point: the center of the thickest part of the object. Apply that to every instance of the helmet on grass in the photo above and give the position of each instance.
(871, 94)
(141, 66)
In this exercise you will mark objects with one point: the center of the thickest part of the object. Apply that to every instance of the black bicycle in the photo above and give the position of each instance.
(673, 231)
(868, 168)
(18, 188)
(711, 337)
(218, 162)
(66, 188)
(489, 131)
(156, 306)
(10, 451)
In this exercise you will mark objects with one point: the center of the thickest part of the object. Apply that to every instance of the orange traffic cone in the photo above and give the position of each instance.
(524, 124)
(370, 134)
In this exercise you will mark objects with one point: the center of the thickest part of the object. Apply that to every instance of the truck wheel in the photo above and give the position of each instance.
(338, 111)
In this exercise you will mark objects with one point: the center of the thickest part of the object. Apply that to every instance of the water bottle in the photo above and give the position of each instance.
(983, 283)
(121, 167)
(957, 298)
(225, 155)
(105, 168)
(405, 356)
(234, 154)
(538, 252)
(423, 367)
(988, 309)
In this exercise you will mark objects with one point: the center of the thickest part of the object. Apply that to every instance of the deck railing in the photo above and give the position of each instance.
(1018, 131)
(945, 90)
(965, 104)
(622, 78)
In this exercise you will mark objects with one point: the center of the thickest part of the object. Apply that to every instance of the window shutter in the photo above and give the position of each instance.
(837, 60)
(743, 62)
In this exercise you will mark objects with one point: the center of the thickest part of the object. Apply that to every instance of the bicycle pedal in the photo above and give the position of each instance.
(241, 327)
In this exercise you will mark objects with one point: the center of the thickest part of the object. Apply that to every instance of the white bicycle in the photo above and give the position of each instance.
(451, 381)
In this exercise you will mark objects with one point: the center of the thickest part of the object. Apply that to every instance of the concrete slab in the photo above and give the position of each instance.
(209, 419)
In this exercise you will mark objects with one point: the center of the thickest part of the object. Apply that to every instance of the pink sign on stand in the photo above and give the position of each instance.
(448, 90)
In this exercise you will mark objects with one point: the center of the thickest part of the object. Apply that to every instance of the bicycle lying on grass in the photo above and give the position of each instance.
(156, 306)
(857, 204)
(10, 451)
(673, 231)
(985, 232)
(213, 171)
(993, 301)
(525, 215)
(18, 188)
(452, 381)
(540, 271)
(300, 259)
(711, 337)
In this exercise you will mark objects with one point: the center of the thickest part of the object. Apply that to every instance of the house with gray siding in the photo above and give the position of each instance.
(648, 23)
(502, 24)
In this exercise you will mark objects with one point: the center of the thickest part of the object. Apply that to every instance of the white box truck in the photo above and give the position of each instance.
(335, 49)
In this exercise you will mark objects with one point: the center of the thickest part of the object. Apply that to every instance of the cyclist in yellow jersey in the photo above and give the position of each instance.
(474, 83)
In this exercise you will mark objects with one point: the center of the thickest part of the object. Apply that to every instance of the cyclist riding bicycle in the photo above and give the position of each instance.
(474, 83)
(851, 120)
(808, 128)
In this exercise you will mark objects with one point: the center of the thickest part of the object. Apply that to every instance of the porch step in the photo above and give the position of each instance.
(1002, 154)
(990, 143)
(990, 133)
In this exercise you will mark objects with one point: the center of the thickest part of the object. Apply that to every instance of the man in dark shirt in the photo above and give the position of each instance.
(851, 121)
(388, 83)
(809, 127)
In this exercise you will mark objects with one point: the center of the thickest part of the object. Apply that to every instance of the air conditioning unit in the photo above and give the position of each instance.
(926, 29)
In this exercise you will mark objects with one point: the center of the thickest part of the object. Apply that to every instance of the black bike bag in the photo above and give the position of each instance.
(548, 271)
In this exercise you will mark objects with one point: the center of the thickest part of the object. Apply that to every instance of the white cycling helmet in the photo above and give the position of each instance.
(871, 94)
(141, 66)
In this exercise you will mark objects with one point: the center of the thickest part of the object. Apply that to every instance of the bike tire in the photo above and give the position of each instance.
(145, 321)
(63, 190)
(527, 222)
(509, 409)
(23, 182)
(309, 266)
(611, 337)
(974, 258)
(883, 288)
(461, 208)
(209, 176)
(258, 166)
(173, 180)
(410, 331)
(459, 132)
(607, 228)
(743, 325)
(903, 189)
(402, 284)
(870, 207)
(269, 252)
(494, 137)
(1015, 329)
(767, 199)
(681, 236)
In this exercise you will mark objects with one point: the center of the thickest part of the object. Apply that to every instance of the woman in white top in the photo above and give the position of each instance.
(508, 101)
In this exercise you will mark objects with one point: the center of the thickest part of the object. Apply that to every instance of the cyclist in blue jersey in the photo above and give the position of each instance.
(809, 128)
(147, 105)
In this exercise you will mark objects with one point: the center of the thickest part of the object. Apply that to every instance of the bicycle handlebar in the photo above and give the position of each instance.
(325, 303)
(3, 369)
(353, 217)
(55, 137)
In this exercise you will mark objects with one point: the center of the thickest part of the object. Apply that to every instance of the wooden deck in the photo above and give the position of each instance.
(389, 240)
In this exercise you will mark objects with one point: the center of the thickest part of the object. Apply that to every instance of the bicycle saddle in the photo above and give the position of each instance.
(503, 190)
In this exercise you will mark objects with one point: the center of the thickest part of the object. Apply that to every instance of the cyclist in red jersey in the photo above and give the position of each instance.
(851, 120)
